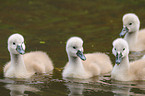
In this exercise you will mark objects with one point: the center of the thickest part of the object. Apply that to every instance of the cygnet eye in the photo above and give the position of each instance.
(115, 49)
(123, 49)
(14, 43)
(130, 23)
(74, 47)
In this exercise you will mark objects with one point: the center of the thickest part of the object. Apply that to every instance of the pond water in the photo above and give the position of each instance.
(47, 24)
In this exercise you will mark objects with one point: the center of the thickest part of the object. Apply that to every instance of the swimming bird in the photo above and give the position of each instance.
(123, 69)
(24, 65)
(94, 63)
(134, 37)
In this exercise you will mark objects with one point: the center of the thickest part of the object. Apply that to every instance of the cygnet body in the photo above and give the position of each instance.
(94, 63)
(24, 66)
(123, 69)
(134, 37)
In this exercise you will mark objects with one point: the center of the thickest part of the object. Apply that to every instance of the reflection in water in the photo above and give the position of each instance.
(81, 87)
(75, 89)
(104, 84)
(77, 86)
(128, 88)
(19, 89)
(120, 89)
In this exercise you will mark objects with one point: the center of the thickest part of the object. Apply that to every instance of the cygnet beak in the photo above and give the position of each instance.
(81, 55)
(20, 50)
(124, 31)
(118, 58)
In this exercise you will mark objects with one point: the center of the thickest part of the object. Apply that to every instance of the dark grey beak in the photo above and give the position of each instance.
(118, 58)
(124, 31)
(81, 55)
(20, 49)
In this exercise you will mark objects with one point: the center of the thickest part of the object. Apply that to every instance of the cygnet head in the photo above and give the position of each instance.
(74, 47)
(131, 24)
(16, 44)
(120, 49)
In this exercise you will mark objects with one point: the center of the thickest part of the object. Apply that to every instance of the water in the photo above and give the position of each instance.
(46, 25)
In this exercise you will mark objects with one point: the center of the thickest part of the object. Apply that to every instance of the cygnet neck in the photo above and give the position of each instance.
(17, 62)
(75, 62)
(131, 38)
(124, 65)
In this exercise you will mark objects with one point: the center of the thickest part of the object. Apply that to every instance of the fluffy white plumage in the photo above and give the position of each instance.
(95, 64)
(24, 66)
(123, 69)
